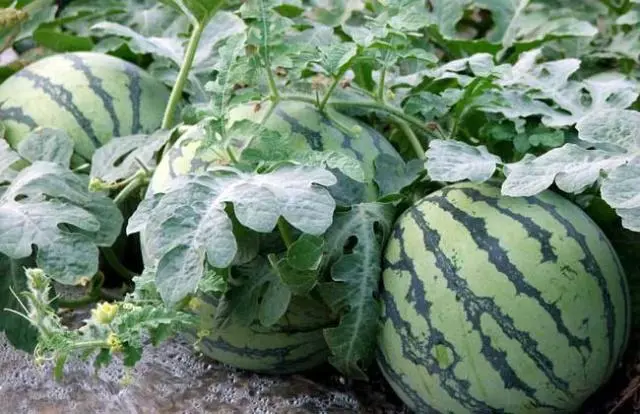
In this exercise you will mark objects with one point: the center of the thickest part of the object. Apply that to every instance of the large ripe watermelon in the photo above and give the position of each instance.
(92, 96)
(304, 126)
(495, 304)
(295, 344)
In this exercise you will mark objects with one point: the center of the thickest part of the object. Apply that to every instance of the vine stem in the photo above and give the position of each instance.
(115, 264)
(329, 92)
(367, 104)
(411, 136)
(176, 92)
(383, 75)
(126, 191)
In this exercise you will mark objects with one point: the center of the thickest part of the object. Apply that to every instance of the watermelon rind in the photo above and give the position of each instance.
(294, 344)
(305, 129)
(92, 96)
(495, 304)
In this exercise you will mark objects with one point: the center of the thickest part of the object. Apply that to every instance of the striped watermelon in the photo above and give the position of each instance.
(307, 129)
(494, 304)
(92, 96)
(296, 343)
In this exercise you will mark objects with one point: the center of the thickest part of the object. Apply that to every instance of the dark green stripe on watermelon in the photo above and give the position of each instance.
(589, 262)
(532, 228)
(314, 138)
(135, 94)
(64, 98)
(513, 302)
(95, 84)
(474, 307)
(499, 258)
(17, 115)
(419, 404)
(282, 363)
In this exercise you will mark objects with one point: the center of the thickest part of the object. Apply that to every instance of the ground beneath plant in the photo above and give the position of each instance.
(171, 379)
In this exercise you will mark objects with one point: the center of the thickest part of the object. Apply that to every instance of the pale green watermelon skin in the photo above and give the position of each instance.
(495, 304)
(295, 344)
(92, 96)
(305, 127)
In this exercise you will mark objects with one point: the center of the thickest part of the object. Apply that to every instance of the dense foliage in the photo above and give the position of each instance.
(539, 94)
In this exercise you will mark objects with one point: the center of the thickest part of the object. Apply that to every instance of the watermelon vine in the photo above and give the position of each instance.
(372, 185)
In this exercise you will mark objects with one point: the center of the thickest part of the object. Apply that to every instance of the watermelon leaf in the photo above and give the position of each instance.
(199, 10)
(17, 329)
(48, 206)
(355, 271)
(392, 174)
(7, 158)
(306, 252)
(337, 56)
(47, 144)
(228, 75)
(457, 161)
(189, 223)
(120, 158)
(258, 293)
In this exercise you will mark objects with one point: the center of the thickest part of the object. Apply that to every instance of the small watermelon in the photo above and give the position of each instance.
(294, 344)
(495, 304)
(305, 129)
(92, 96)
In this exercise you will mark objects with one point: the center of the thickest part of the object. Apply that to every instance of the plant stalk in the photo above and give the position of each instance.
(176, 92)
(411, 120)
(383, 75)
(115, 264)
(411, 136)
(329, 92)
(126, 191)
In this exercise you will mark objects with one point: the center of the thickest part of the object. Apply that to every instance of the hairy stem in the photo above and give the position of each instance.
(329, 92)
(273, 88)
(176, 92)
(126, 191)
(411, 136)
(383, 74)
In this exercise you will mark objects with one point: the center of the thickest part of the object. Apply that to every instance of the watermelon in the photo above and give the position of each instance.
(294, 344)
(92, 96)
(304, 127)
(494, 304)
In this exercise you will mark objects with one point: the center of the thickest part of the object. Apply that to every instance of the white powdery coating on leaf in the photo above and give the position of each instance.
(630, 218)
(572, 167)
(457, 161)
(620, 128)
(190, 221)
(621, 189)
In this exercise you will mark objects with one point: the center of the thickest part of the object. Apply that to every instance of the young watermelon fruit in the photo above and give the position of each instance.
(303, 126)
(500, 304)
(92, 96)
